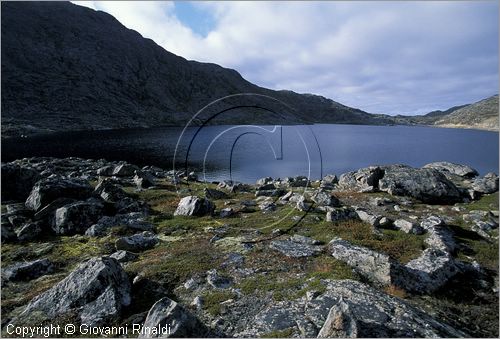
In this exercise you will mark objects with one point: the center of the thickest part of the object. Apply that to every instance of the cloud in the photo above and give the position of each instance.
(382, 57)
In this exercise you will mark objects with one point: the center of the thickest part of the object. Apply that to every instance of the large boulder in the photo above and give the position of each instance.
(77, 217)
(451, 168)
(169, 319)
(47, 190)
(347, 309)
(27, 270)
(194, 206)
(96, 292)
(425, 184)
(17, 181)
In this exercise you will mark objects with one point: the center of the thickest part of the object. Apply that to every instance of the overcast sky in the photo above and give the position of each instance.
(382, 57)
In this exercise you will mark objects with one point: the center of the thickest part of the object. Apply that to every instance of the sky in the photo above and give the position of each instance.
(382, 57)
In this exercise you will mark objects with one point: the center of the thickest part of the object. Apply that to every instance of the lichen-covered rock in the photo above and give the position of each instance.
(323, 198)
(77, 217)
(486, 185)
(456, 169)
(138, 242)
(46, 191)
(29, 231)
(441, 238)
(97, 291)
(369, 218)
(123, 256)
(425, 184)
(347, 309)
(166, 313)
(134, 221)
(194, 206)
(408, 227)
(340, 213)
(295, 249)
(431, 221)
(109, 191)
(377, 267)
(27, 270)
(216, 280)
(431, 271)
(363, 180)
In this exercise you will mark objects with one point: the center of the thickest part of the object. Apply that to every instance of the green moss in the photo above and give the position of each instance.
(278, 334)
(486, 203)
(212, 301)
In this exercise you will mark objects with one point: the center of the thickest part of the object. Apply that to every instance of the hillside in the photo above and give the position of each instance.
(482, 114)
(67, 67)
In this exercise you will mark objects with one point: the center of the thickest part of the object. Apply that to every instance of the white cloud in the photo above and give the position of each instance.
(383, 57)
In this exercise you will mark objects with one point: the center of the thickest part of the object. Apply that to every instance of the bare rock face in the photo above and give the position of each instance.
(171, 320)
(348, 309)
(451, 168)
(194, 206)
(96, 291)
(47, 190)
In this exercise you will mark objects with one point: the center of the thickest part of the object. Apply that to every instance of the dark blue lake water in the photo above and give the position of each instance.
(246, 153)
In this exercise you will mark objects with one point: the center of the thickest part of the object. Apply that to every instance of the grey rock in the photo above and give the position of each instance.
(97, 290)
(294, 249)
(431, 271)
(138, 242)
(29, 231)
(267, 206)
(369, 218)
(214, 194)
(457, 169)
(408, 226)
(17, 181)
(124, 256)
(109, 191)
(431, 221)
(425, 184)
(486, 185)
(264, 181)
(340, 213)
(347, 308)
(134, 221)
(298, 181)
(46, 191)
(304, 240)
(278, 192)
(323, 198)
(125, 170)
(77, 217)
(215, 280)
(363, 180)
(8, 233)
(340, 322)
(144, 180)
(385, 222)
(105, 170)
(48, 212)
(166, 313)
(194, 206)
(441, 238)
(226, 212)
(25, 271)
(377, 267)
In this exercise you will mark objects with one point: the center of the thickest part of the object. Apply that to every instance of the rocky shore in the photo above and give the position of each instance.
(384, 251)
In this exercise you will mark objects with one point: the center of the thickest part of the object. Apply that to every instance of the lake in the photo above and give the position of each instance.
(246, 153)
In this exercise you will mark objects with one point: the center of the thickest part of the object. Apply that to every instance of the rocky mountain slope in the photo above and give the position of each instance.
(482, 114)
(479, 115)
(67, 67)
